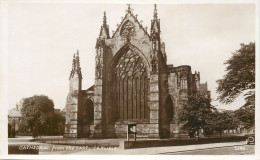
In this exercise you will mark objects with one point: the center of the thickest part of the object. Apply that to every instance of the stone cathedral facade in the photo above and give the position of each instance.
(133, 84)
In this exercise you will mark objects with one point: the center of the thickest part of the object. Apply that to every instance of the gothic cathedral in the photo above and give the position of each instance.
(133, 85)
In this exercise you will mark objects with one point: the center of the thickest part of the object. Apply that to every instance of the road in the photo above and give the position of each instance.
(227, 148)
(230, 150)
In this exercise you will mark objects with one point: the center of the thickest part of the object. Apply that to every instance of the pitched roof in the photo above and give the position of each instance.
(130, 13)
(14, 113)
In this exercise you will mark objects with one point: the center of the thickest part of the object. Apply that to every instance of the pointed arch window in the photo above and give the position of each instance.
(184, 84)
(131, 87)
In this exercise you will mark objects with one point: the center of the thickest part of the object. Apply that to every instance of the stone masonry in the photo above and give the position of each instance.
(133, 84)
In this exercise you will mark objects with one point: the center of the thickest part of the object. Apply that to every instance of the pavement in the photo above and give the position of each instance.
(163, 150)
(89, 142)
(228, 148)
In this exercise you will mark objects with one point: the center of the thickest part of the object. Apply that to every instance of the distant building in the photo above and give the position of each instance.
(133, 84)
(14, 120)
(203, 89)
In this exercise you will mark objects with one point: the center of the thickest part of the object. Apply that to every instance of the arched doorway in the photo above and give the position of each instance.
(166, 116)
(85, 117)
(89, 111)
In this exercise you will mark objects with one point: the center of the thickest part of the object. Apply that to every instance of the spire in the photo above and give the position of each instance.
(104, 20)
(155, 13)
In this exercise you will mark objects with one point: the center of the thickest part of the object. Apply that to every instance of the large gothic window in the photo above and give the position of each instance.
(131, 87)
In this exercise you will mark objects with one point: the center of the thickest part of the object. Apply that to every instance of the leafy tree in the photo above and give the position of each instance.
(224, 120)
(24, 127)
(197, 113)
(240, 79)
(246, 114)
(36, 111)
(56, 124)
(240, 76)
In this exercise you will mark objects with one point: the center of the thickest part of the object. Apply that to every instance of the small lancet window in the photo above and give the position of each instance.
(184, 82)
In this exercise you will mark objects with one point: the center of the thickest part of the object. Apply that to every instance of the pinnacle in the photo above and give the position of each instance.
(104, 19)
(155, 12)
(74, 62)
(129, 8)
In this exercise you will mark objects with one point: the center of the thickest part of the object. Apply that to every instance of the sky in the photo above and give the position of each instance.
(42, 38)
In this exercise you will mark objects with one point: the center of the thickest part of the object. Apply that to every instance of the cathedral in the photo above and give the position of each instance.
(133, 85)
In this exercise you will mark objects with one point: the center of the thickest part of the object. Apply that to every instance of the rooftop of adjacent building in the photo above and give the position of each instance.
(14, 113)
(203, 87)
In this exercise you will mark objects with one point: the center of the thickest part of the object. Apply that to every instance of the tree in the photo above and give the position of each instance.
(36, 112)
(240, 79)
(55, 124)
(240, 76)
(246, 114)
(197, 113)
(224, 120)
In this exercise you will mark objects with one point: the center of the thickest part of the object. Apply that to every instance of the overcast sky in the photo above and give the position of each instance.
(44, 36)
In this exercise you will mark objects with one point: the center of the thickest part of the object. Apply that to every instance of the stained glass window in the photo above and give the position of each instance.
(131, 86)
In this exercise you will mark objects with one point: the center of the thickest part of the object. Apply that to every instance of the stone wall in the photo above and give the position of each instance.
(71, 125)
(71, 115)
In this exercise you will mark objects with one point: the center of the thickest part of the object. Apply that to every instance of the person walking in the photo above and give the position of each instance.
(196, 135)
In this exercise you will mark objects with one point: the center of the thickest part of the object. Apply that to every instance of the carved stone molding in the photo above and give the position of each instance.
(128, 30)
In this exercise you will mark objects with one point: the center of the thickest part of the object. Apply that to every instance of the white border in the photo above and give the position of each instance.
(4, 80)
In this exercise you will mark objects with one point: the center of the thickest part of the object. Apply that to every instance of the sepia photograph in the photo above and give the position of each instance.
(129, 78)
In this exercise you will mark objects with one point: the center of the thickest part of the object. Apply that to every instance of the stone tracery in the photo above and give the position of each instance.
(131, 83)
(128, 30)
